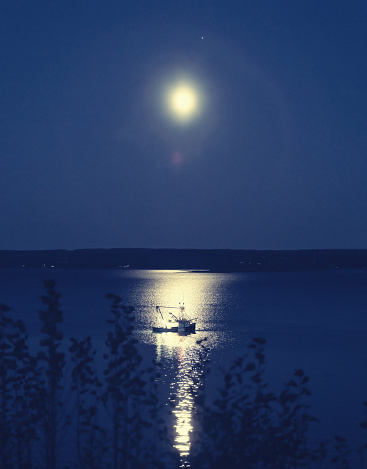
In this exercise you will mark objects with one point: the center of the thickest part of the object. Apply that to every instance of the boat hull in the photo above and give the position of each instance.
(185, 329)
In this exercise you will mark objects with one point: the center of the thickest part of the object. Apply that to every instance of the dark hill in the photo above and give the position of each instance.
(218, 260)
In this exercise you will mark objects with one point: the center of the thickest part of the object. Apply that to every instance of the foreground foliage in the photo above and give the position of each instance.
(249, 426)
(56, 411)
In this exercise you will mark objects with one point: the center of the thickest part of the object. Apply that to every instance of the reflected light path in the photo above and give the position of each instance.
(181, 348)
(180, 356)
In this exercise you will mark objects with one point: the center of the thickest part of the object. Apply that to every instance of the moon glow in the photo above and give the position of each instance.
(176, 106)
(183, 101)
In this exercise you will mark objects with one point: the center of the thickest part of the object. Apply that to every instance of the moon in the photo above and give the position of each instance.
(176, 104)
(183, 101)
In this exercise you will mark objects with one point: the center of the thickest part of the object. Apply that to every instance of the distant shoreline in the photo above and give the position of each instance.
(212, 260)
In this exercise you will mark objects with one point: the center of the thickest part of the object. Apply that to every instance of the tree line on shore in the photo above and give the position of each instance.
(215, 260)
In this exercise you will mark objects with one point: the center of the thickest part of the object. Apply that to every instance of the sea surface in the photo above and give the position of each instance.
(314, 320)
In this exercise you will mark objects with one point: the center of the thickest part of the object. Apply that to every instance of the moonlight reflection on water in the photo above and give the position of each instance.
(181, 385)
(181, 359)
(180, 356)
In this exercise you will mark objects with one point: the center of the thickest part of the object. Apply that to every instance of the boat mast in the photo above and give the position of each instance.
(160, 312)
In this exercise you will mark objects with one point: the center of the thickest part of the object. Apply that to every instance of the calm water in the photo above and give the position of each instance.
(311, 320)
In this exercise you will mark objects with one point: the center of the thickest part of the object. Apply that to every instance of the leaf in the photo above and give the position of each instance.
(256, 378)
(250, 366)
(259, 340)
(10, 364)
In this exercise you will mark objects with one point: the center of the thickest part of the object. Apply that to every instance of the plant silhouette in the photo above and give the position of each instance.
(57, 411)
(53, 360)
(248, 426)
(18, 380)
(90, 436)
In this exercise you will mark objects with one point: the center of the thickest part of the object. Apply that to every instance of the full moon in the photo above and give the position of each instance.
(177, 102)
(183, 101)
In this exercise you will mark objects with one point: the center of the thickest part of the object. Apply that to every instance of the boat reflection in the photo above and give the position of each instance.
(184, 351)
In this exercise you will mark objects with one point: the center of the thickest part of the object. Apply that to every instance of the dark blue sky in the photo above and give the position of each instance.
(276, 160)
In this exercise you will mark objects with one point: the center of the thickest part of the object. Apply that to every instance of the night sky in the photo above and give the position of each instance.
(272, 155)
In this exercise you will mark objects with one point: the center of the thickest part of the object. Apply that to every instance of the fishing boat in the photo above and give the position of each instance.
(179, 323)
